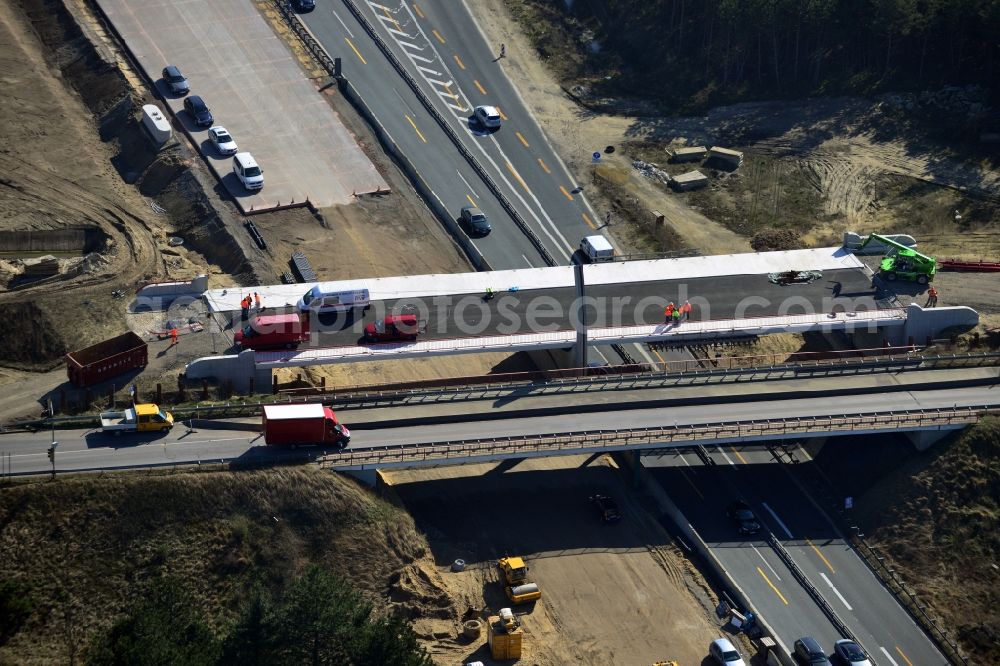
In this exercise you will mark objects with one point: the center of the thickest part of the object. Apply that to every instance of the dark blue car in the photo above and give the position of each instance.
(198, 110)
(175, 81)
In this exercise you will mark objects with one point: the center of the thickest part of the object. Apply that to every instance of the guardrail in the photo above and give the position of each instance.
(637, 438)
(450, 132)
(669, 373)
(820, 485)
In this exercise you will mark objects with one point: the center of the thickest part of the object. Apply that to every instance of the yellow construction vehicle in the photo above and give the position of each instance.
(515, 574)
(514, 570)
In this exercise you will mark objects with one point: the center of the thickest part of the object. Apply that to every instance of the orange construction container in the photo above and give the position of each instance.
(504, 635)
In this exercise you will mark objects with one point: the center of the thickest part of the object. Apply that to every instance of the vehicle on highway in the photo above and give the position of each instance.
(724, 653)
(199, 111)
(273, 332)
(607, 508)
(487, 116)
(809, 653)
(321, 300)
(222, 140)
(246, 169)
(394, 328)
(176, 83)
(140, 418)
(596, 249)
(850, 653)
(309, 425)
(740, 513)
(305, 5)
(475, 221)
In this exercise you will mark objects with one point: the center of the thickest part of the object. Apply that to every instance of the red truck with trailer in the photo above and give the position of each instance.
(273, 332)
(107, 359)
(310, 425)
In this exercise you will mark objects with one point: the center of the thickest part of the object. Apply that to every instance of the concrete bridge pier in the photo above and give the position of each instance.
(370, 477)
(925, 439)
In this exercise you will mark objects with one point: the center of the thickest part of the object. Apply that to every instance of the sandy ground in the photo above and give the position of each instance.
(611, 594)
(836, 139)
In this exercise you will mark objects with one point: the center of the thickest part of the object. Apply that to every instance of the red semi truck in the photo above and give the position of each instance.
(273, 331)
(314, 424)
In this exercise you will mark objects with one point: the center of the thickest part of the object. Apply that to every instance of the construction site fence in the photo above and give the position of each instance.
(638, 438)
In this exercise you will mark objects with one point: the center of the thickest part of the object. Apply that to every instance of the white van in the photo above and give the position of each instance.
(319, 300)
(246, 169)
(597, 248)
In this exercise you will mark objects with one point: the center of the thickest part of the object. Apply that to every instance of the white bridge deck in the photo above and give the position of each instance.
(624, 272)
(694, 330)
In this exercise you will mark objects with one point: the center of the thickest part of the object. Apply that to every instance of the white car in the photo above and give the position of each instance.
(724, 653)
(222, 140)
(488, 116)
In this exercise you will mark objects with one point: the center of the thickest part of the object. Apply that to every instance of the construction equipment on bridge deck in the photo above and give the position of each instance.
(504, 634)
(969, 266)
(902, 262)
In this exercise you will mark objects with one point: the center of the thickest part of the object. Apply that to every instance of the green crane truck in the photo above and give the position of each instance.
(902, 262)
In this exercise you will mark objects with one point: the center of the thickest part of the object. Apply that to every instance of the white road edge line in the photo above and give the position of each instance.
(887, 656)
(835, 591)
(766, 563)
(342, 23)
(723, 452)
(527, 261)
(473, 192)
(780, 522)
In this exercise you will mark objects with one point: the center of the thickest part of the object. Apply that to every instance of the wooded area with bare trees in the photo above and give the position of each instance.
(704, 51)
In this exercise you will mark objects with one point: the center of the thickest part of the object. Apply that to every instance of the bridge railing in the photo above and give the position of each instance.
(637, 438)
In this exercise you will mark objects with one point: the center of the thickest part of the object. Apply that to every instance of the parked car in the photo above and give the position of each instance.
(607, 508)
(488, 116)
(850, 653)
(198, 110)
(222, 140)
(809, 653)
(176, 83)
(248, 171)
(394, 328)
(475, 221)
(741, 514)
(724, 653)
(305, 5)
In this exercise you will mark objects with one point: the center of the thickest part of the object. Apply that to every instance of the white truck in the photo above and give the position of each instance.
(596, 249)
(140, 418)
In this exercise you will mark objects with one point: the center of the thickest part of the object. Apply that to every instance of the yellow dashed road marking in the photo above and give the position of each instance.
(776, 590)
(480, 86)
(502, 115)
(438, 35)
(825, 561)
(562, 188)
(740, 456)
(417, 10)
(593, 226)
(459, 61)
(471, 201)
(356, 51)
(524, 141)
(513, 172)
(414, 125)
(546, 170)
(905, 658)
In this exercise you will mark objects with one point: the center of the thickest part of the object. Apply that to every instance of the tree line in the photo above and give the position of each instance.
(318, 619)
(738, 48)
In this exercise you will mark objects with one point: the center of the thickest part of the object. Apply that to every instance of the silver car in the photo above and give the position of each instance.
(488, 116)
(850, 653)
(222, 140)
(724, 653)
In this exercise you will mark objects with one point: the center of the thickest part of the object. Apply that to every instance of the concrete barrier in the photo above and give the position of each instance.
(446, 217)
(239, 370)
(667, 506)
(922, 323)
(157, 296)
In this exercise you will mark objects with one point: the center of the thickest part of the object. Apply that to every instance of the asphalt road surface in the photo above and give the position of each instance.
(91, 449)
(702, 493)
(541, 310)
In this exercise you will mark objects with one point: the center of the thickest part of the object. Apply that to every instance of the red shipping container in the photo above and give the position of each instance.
(107, 359)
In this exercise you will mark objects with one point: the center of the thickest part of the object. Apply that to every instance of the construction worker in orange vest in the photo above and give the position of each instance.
(686, 310)
(931, 298)
(173, 336)
(668, 313)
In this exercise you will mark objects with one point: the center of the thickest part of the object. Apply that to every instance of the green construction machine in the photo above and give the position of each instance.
(902, 262)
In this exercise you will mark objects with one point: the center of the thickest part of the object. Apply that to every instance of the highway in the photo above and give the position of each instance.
(702, 492)
(554, 218)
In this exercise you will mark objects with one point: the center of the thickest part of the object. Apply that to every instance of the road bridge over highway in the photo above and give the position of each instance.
(611, 303)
